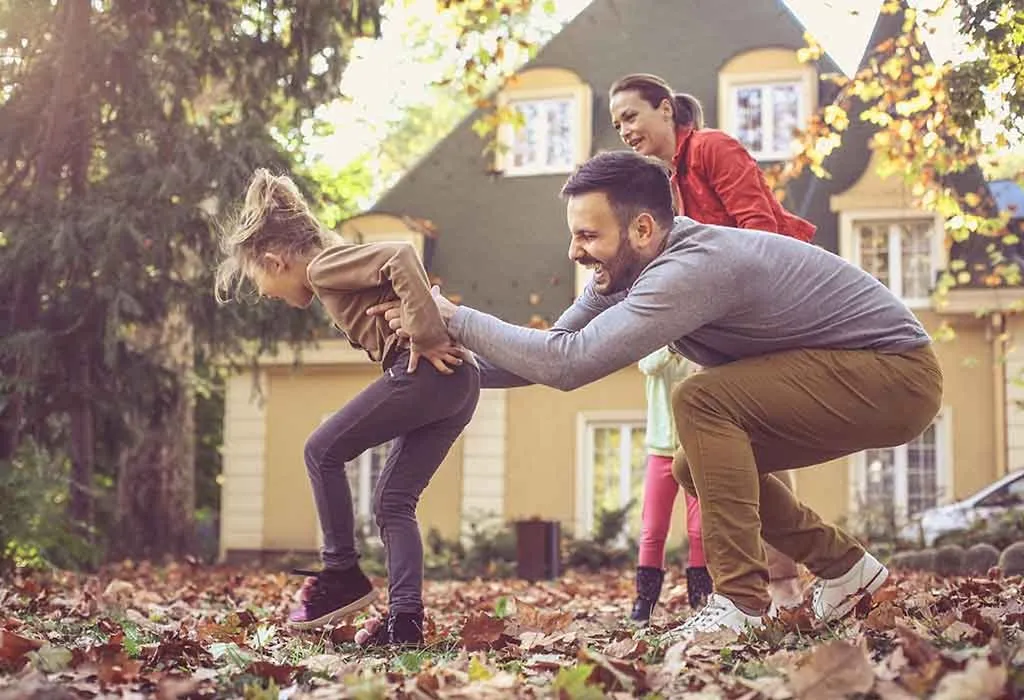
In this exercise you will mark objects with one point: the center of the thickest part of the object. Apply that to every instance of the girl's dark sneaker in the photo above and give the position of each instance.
(397, 629)
(329, 595)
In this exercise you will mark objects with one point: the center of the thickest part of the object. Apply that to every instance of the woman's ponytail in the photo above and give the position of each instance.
(688, 111)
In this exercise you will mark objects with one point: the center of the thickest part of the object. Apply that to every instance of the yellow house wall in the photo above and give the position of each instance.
(298, 400)
(541, 458)
(968, 391)
(970, 372)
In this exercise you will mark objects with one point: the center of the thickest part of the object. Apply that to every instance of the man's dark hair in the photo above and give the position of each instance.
(632, 182)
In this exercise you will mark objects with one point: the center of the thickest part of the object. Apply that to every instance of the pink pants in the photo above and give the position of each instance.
(660, 489)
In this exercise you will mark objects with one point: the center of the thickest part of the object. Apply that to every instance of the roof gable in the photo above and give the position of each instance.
(501, 241)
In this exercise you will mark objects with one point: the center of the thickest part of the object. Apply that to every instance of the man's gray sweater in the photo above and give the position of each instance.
(716, 295)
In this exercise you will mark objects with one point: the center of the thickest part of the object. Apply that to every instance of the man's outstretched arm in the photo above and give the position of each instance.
(670, 300)
(492, 376)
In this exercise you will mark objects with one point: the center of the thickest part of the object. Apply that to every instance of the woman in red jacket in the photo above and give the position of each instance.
(715, 180)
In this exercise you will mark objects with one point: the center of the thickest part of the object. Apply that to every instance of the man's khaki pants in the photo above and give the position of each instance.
(741, 421)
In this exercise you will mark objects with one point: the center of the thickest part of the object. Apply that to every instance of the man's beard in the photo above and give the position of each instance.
(622, 270)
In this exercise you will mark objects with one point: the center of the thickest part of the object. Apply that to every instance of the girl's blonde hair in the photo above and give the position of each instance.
(274, 218)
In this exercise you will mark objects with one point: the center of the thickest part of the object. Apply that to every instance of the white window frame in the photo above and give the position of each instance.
(729, 83)
(944, 474)
(582, 98)
(585, 425)
(850, 248)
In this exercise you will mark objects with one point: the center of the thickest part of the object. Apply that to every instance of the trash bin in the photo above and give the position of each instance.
(538, 549)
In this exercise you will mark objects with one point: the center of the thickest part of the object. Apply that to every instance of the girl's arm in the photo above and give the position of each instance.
(352, 268)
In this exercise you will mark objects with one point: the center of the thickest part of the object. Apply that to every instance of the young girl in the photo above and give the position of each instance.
(662, 370)
(715, 180)
(278, 245)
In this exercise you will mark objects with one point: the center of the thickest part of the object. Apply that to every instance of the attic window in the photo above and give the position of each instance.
(551, 133)
(543, 141)
(765, 116)
(764, 96)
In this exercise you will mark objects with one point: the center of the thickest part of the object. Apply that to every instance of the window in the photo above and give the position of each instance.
(894, 483)
(552, 130)
(904, 250)
(764, 117)
(900, 255)
(543, 141)
(611, 459)
(1009, 496)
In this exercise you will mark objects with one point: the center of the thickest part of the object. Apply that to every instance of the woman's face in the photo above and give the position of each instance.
(648, 130)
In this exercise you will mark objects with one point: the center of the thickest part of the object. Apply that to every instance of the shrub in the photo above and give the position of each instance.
(1011, 561)
(607, 548)
(488, 551)
(901, 561)
(926, 560)
(980, 558)
(34, 529)
(949, 560)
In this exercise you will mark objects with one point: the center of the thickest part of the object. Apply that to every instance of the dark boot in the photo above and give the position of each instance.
(648, 590)
(398, 629)
(698, 585)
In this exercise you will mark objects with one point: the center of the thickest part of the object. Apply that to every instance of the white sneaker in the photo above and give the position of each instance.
(835, 598)
(717, 614)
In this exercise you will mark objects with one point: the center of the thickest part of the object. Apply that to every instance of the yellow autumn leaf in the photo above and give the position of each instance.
(478, 671)
(836, 117)
(812, 52)
(919, 103)
(973, 199)
(892, 68)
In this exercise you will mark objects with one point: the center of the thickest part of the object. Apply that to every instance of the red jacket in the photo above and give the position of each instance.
(717, 181)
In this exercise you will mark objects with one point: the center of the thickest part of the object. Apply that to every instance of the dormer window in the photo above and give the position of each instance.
(764, 117)
(552, 133)
(764, 97)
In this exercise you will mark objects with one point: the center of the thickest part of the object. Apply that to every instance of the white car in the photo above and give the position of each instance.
(931, 526)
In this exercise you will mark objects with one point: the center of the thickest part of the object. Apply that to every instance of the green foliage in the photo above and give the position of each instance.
(607, 548)
(129, 131)
(34, 531)
(949, 560)
(979, 558)
(996, 29)
(1011, 561)
(489, 552)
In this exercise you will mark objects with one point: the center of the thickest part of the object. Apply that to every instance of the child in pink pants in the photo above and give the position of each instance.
(662, 370)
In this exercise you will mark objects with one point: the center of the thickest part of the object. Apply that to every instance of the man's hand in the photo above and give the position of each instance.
(392, 311)
(441, 356)
(446, 307)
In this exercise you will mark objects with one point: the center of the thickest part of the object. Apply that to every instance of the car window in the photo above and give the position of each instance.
(1008, 496)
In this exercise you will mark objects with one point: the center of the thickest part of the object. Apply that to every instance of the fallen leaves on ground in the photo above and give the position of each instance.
(186, 631)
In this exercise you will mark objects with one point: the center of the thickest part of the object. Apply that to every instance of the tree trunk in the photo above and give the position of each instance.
(156, 479)
(83, 454)
(59, 121)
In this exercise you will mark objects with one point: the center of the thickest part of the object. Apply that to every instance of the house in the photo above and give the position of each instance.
(496, 239)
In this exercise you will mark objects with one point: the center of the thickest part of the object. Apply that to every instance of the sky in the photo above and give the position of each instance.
(842, 27)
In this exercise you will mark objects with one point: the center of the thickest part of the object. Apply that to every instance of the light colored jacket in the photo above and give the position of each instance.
(662, 370)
